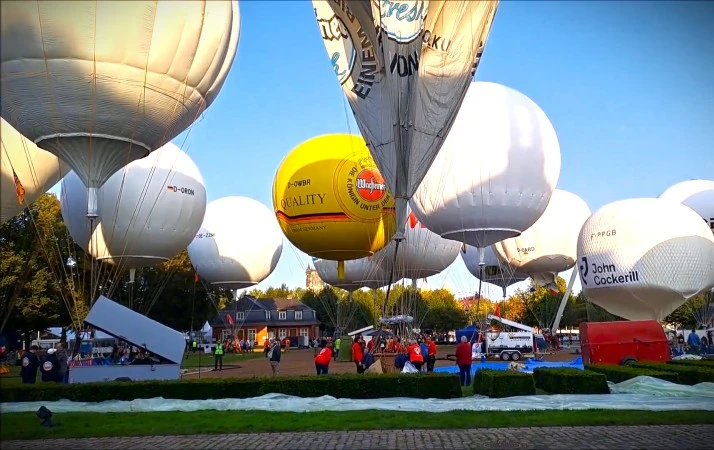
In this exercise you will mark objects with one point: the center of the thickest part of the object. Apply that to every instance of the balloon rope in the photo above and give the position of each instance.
(391, 279)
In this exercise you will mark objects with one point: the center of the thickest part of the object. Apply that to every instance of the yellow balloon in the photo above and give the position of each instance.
(331, 201)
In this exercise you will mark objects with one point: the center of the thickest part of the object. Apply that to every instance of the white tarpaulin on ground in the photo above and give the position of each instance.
(648, 394)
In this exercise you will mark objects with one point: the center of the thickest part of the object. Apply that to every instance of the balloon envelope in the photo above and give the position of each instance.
(495, 271)
(420, 255)
(641, 259)
(413, 70)
(239, 243)
(148, 212)
(331, 201)
(100, 84)
(359, 273)
(494, 176)
(550, 245)
(696, 194)
(26, 172)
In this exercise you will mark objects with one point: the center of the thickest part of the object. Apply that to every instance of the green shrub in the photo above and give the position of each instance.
(690, 375)
(340, 386)
(707, 363)
(618, 374)
(500, 383)
(556, 380)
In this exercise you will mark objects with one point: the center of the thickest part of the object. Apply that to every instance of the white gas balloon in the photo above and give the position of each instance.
(148, 212)
(642, 258)
(238, 245)
(550, 245)
(36, 171)
(495, 174)
(103, 83)
(697, 194)
(495, 271)
(420, 255)
(359, 273)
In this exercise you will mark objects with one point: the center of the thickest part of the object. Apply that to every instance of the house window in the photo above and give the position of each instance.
(240, 315)
(282, 333)
(298, 315)
(282, 315)
(304, 331)
(225, 335)
(267, 315)
(251, 335)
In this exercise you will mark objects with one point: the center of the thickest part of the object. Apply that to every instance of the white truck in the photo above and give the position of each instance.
(509, 346)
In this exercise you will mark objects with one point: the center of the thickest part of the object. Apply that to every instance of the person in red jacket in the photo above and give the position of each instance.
(358, 354)
(431, 354)
(415, 356)
(463, 360)
(322, 360)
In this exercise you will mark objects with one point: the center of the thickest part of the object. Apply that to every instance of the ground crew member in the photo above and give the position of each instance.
(218, 356)
(194, 345)
(50, 368)
(431, 354)
(322, 360)
(30, 364)
(415, 355)
(337, 348)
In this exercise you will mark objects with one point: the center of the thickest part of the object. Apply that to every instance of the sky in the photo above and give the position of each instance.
(628, 86)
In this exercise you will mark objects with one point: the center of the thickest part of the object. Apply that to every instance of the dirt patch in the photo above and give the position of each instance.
(300, 362)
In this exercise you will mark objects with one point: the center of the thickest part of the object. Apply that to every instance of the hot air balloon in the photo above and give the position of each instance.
(331, 201)
(495, 271)
(697, 194)
(148, 212)
(359, 273)
(26, 172)
(421, 254)
(239, 243)
(496, 172)
(642, 258)
(550, 245)
(100, 84)
(406, 78)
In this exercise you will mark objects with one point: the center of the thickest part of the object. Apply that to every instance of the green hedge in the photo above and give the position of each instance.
(556, 380)
(618, 374)
(340, 386)
(499, 383)
(690, 375)
(706, 363)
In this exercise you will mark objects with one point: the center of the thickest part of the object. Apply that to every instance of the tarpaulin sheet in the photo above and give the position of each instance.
(642, 393)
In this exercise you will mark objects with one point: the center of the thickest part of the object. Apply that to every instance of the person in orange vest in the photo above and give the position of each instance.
(322, 360)
(415, 356)
(358, 353)
(431, 354)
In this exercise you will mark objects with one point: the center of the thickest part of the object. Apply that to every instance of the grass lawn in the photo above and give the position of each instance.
(229, 359)
(24, 425)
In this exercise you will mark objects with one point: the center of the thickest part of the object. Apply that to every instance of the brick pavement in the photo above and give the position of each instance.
(612, 437)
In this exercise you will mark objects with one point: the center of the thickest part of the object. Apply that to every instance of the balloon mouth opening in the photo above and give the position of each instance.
(481, 237)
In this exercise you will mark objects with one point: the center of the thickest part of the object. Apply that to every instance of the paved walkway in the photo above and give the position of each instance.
(613, 438)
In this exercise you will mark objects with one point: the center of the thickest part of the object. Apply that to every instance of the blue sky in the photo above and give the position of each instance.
(628, 86)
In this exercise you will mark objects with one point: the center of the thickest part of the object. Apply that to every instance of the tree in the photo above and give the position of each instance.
(38, 288)
(445, 313)
(695, 312)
